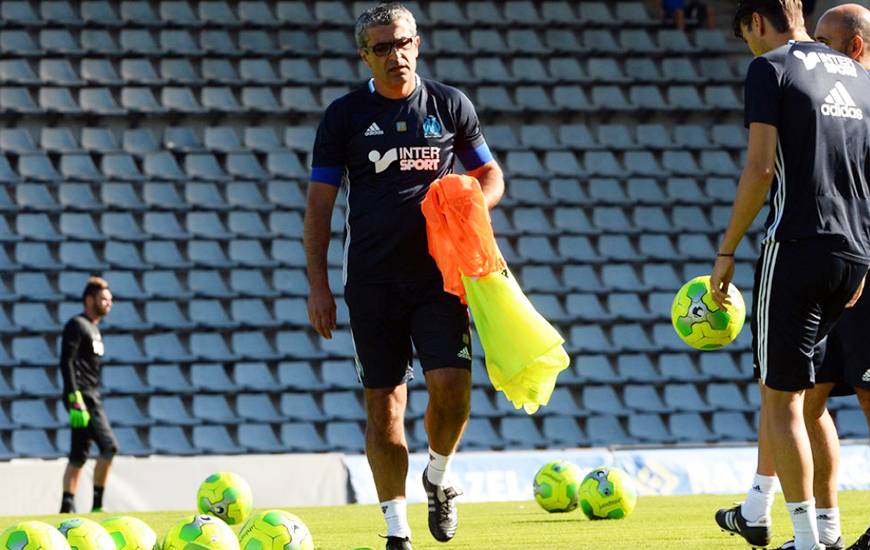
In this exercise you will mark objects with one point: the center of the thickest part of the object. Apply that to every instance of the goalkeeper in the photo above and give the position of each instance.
(80, 364)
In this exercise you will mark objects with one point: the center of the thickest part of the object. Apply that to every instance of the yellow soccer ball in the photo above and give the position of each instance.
(700, 322)
(275, 530)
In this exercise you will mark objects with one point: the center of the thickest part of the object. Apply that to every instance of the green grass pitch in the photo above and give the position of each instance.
(658, 523)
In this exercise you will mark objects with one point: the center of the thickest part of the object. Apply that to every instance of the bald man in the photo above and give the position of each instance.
(846, 29)
(846, 367)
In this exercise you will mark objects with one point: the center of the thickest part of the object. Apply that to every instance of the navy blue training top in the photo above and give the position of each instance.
(388, 151)
(819, 102)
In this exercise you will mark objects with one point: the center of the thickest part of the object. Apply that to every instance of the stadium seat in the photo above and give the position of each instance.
(211, 346)
(563, 432)
(639, 368)
(258, 407)
(604, 430)
(851, 423)
(304, 437)
(125, 411)
(170, 440)
(298, 375)
(521, 433)
(213, 408)
(123, 379)
(732, 426)
(259, 438)
(170, 409)
(33, 413)
(130, 442)
(211, 377)
(649, 428)
(33, 382)
(33, 443)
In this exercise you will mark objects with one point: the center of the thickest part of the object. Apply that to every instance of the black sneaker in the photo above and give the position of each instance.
(863, 542)
(398, 543)
(443, 518)
(731, 520)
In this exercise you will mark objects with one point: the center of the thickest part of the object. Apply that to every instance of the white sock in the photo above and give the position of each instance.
(803, 517)
(439, 465)
(759, 500)
(396, 514)
(828, 520)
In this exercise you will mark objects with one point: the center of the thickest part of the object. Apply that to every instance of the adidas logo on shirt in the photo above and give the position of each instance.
(374, 130)
(464, 354)
(840, 104)
(866, 377)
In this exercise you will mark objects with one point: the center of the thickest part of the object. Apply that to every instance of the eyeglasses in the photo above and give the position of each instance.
(383, 49)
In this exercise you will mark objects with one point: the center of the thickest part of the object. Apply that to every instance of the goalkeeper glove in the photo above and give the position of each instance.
(79, 417)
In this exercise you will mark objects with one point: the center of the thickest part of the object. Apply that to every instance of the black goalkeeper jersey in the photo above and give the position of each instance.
(819, 102)
(81, 354)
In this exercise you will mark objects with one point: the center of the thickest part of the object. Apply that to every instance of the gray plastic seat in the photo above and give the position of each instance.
(123, 379)
(689, 427)
(130, 443)
(170, 440)
(125, 411)
(851, 423)
(205, 195)
(213, 408)
(33, 413)
(521, 432)
(732, 426)
(33, 382)
(166, 347)
(302, 406)
(727, 397)
(480, 434)
(303, 437)
(32, 350)
(205, 283)
(169, 409)
(649, 428)
(298, 375)
(211, 346)
(563, 431)
(685, 397)
(342, 406)
(34, 317)
(211, 377)
(32, 443)
(606, 430)
(259, 438)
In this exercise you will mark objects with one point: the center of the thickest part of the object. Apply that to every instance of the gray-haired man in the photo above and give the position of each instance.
(388, 140)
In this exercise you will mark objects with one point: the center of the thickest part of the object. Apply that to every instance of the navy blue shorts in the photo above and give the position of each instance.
(801, 290)
(386, 320)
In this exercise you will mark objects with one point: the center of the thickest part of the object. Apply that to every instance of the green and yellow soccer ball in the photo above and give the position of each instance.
(275, 530)
(131, 533)
(557, 486)
(201, 532)
(225, 495)
(32, 535)
(86, 534)
(607, 493)
(700, 322)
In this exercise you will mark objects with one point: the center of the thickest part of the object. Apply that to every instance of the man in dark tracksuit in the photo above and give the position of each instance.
(80, 364)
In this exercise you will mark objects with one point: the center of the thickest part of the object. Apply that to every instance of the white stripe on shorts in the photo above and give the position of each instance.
(763, 314)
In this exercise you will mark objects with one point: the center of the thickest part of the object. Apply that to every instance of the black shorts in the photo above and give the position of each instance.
(801, 289)
(98, 430)
(385, 319)
(847, 362)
